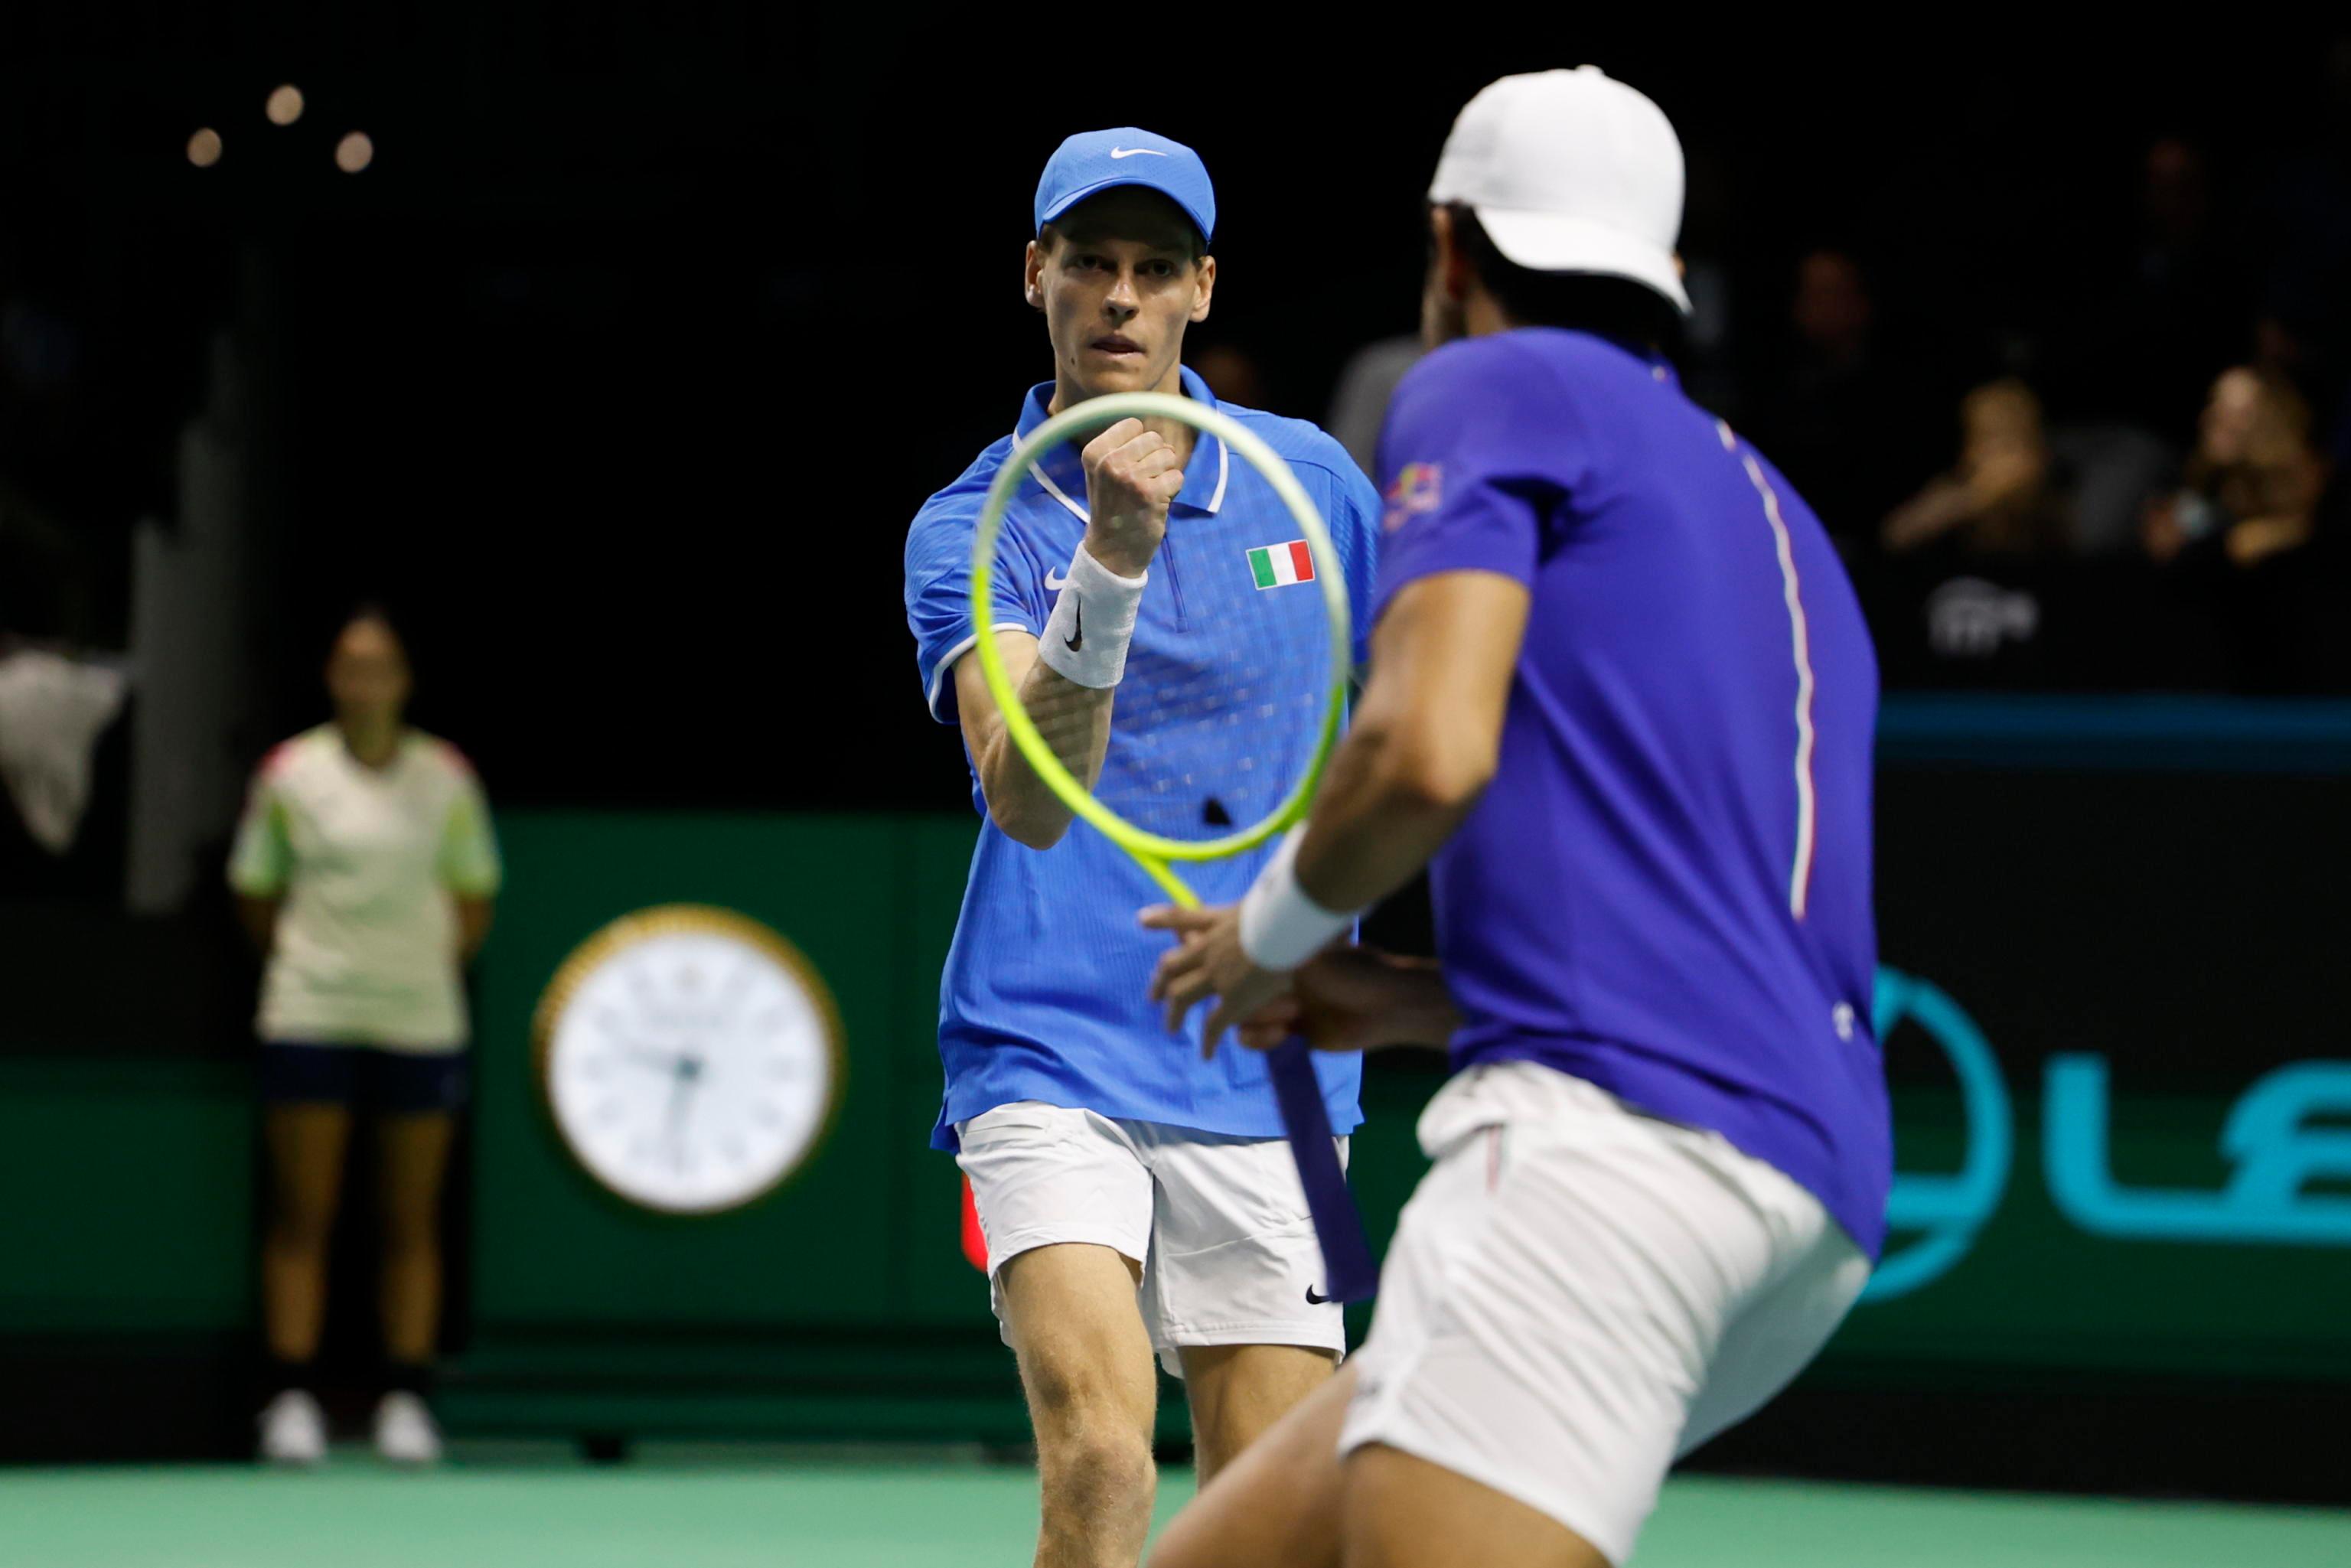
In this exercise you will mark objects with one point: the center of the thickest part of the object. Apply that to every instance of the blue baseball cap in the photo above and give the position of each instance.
(1093, 161)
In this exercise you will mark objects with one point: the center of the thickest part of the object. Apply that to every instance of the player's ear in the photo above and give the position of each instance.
(1204, 286)
(1033, 276)
(1451, 269)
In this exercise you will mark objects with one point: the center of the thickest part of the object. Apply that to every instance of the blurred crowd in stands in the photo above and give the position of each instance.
(2146, 494)
(2105, 449)
(2146, 486)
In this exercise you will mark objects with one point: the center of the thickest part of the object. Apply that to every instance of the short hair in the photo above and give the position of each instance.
(1196, 244)
(366, 610)
(1599, 303)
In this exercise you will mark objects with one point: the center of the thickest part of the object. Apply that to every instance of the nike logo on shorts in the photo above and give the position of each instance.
(1314, 1298)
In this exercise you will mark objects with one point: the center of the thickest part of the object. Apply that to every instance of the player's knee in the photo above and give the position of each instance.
(1099, 1469)
(300, 1227)
(1094, 1450)
(410, 1229)
(1072, 1383)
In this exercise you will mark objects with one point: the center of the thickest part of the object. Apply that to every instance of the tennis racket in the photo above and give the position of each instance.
(1215, 756)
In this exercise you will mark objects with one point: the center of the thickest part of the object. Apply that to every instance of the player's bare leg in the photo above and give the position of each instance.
(414, 1154)
(1276, 1504)
(305, 1165)
(1239, 1391)
(1092, 1387)
(1289, 1501)
(1399, 1511)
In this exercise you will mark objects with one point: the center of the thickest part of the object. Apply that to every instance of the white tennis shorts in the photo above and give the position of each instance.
(1220, 1224)
(1578, 1294)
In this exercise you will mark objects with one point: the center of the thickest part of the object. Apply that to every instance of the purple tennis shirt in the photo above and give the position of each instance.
(1666, 890)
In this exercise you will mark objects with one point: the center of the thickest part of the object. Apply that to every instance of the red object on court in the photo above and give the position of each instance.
(975, 1243)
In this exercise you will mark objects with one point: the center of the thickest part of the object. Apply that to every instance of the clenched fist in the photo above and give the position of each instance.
(1132, 473)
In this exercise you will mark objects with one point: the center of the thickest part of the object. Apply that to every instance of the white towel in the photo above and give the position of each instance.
(52, 711)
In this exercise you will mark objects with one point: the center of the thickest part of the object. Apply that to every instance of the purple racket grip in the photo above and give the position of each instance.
(1346, 1254)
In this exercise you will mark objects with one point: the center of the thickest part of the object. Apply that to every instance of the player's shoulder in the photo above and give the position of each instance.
(444, 756)
(1504, 360)
(298, 754)
(1301, 442)
(1514, 388)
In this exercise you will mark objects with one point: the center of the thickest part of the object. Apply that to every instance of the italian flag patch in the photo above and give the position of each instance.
(1273, 565)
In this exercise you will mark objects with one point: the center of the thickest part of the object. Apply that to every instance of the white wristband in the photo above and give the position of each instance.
(1281, 927)
(1093, 620)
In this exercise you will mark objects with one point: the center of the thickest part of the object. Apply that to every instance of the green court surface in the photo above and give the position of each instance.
(852, 1513)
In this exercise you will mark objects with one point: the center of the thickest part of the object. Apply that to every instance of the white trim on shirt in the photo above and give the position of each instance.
(941, 670)
(1216, 499)
(1800, 875)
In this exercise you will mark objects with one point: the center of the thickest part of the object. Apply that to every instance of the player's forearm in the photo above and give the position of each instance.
(1074, 723)
(474, 916)
(1415, 1008)
(1392, 801)
(259, 917)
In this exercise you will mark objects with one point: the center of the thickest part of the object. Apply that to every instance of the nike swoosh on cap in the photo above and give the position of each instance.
(1135, 153)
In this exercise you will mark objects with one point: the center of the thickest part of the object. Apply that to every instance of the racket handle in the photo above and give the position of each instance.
(1346, 1254)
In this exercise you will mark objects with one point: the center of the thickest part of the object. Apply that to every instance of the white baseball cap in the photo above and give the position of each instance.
(1571, 172)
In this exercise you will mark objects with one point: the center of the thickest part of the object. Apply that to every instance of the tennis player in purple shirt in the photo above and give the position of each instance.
(1621, 707)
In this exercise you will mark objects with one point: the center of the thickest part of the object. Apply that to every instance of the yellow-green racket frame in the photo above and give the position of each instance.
(1154, 852)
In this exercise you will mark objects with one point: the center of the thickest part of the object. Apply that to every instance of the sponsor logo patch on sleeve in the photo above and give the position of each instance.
(1417, 488)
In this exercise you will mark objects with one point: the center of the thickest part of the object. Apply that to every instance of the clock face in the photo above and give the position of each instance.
(691, 1058)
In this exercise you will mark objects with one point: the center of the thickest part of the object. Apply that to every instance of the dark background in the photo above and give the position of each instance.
(620, 371)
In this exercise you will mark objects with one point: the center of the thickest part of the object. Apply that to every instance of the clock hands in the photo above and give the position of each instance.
(660, 1061)
(688, 1069)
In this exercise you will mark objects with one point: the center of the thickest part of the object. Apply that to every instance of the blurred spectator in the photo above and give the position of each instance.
(2003, 498)
(2244, 543)
(1838, 417)
(2254, 482)
(1359, 406)
(2304, 224)
(364, 867)
(2112, 471)
(2178, 304)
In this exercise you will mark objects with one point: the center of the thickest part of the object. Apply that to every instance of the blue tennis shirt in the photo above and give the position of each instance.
(1666, 890)
(1044, 994)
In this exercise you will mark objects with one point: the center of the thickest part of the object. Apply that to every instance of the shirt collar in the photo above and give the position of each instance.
(1062, 476)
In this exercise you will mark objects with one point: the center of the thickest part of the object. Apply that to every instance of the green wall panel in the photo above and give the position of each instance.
(129, 1189)
(552, 1247)
(865, 1239)
(940, 1289)
(2035, 1290)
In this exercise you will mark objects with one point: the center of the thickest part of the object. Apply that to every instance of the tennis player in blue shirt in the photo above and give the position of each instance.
(1620, 705)
(1135, 1197)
